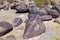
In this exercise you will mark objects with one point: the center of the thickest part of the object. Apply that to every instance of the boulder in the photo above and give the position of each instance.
(46, 17)
(5, 27)
(56, 7)
(6, 7)
(40, 11)
(54, 13)
(17, 22)
(34, 27)
(22, 8)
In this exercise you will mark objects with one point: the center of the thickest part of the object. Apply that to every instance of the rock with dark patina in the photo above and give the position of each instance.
(22, 8)
(56, 7)
(2, 6)
(5, 27)
(34, 27)
(17, 22)
(40, 11)
(53, 13)
(46, 17)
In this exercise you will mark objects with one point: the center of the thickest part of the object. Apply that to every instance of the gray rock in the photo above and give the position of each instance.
(34, 27)
(57, 7)
(11, 37)
(46, 17)
(40, 11)
(6, 7)
(43, 17)
(5, 27)
(22, 8)
(17, 22)
(53, 13)
(2, 6)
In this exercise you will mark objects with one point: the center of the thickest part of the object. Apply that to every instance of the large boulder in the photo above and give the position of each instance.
(34, 27)
(2, 6)
(40, 11)
(54, 13)
(5, 27)
(22, 8)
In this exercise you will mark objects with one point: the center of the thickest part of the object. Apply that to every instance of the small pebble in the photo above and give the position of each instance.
(17, 22)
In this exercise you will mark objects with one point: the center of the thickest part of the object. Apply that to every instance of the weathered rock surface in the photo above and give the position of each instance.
(22, 8)
(40, 11)
(2, 6)
(53, 13)
(5, 27)
(34, 27)
(46, 17)
(17, 22)
(57, 7)
(43, 17)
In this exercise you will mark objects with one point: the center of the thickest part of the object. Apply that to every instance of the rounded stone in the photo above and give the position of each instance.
(40, 11)
(2, 6)
(54, 13)
(5, 27)
(22, 8)
(46, 17)
(17, 22)
(56, 7)
(34, 27)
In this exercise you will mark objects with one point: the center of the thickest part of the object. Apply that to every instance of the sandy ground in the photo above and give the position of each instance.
(52, 28)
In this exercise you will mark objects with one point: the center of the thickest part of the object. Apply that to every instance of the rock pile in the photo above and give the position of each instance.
(34, 24)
